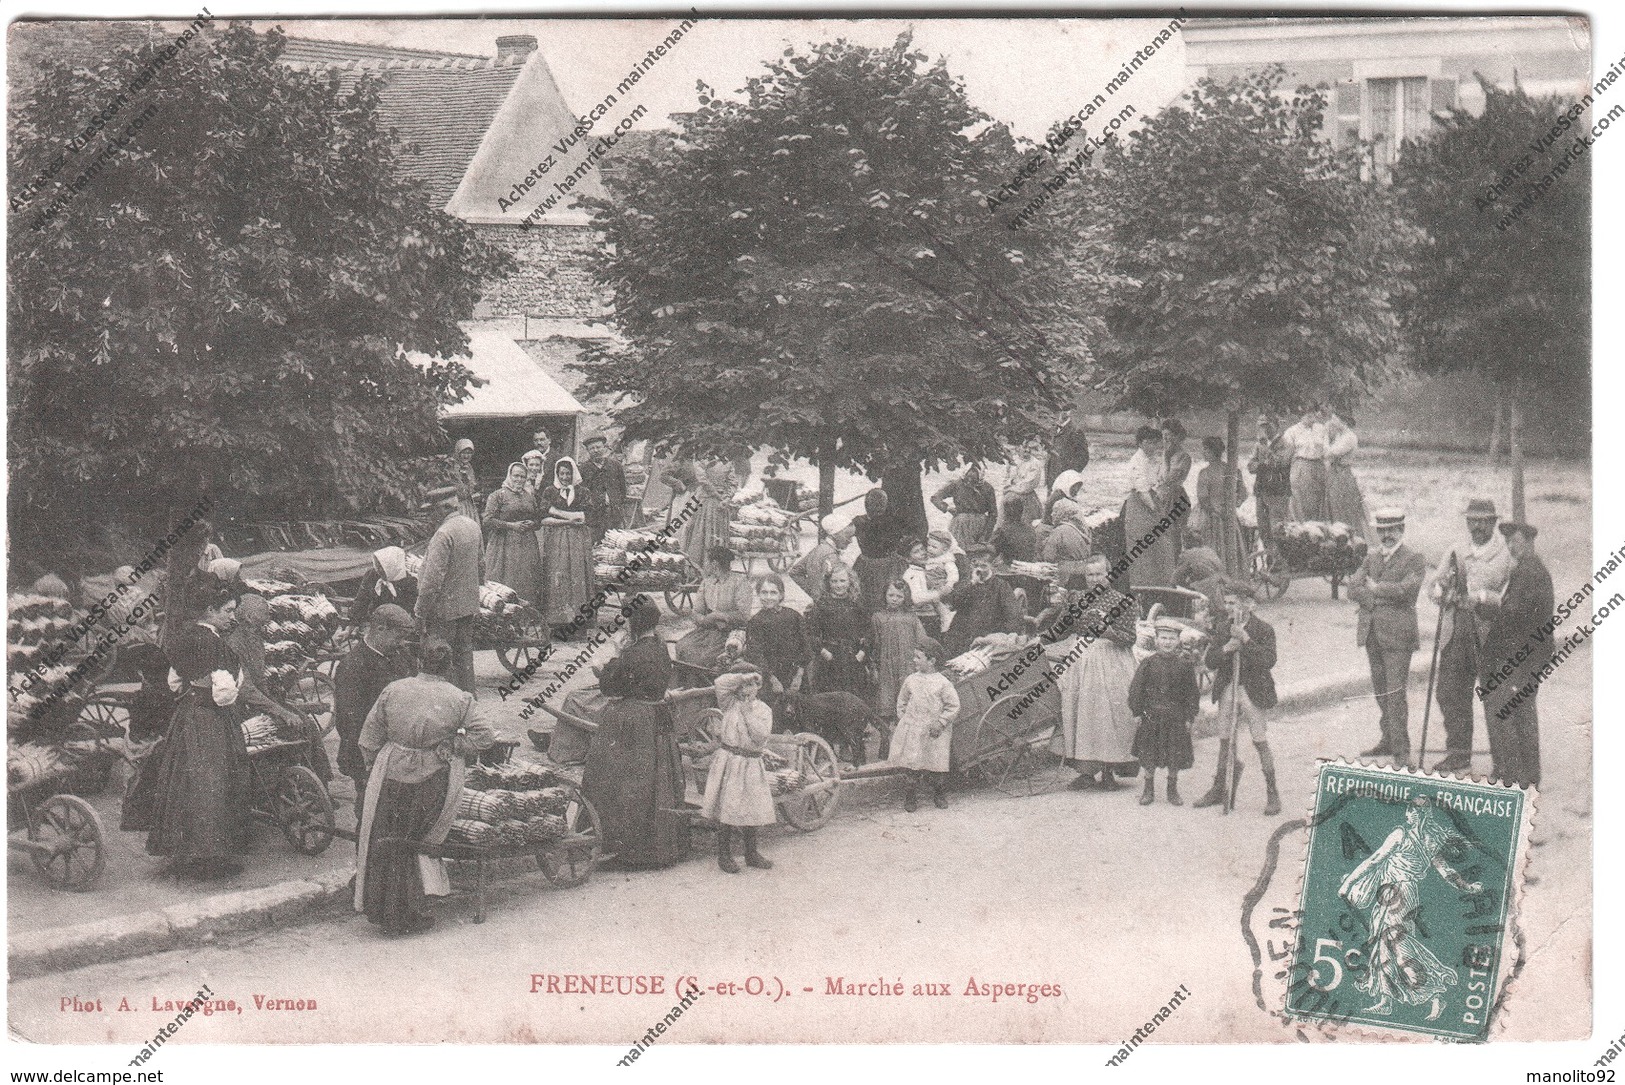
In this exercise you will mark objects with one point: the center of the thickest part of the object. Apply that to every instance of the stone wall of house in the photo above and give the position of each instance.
(553, 279)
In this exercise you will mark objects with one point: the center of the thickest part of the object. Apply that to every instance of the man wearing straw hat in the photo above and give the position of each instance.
(1386, 587)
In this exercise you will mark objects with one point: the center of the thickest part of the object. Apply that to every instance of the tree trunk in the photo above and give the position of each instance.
(905, 496)
(1234, 563)
(1497, 428)
(826, 483)
(1515, 447)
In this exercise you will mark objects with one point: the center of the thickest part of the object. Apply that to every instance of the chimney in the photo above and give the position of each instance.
(515, 48)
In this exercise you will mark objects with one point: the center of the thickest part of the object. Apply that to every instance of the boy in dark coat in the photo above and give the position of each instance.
(1238, 632)
(1165, 696)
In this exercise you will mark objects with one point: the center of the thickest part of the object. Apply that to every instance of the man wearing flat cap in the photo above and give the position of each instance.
(1468, 584)
(810, 568)
(1510, 685)
(382, 657)
(604, 479)
(1386, 586)
(449, 583)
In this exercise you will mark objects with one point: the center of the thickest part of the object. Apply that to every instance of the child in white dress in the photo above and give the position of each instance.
(926, 707)
(737, 794)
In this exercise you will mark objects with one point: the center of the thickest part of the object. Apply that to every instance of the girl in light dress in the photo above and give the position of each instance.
(737, 793)
(926, 707)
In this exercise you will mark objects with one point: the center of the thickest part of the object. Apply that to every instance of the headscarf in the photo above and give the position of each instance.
(225, 570)
(833, 524)
(507, 477)
(1065, 481)
(52, 585)
(567, 492)
(462, 443)
(729, 683)
(392, 563)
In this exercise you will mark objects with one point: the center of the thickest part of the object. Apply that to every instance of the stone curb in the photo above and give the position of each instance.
(200, 922)
(190, 923)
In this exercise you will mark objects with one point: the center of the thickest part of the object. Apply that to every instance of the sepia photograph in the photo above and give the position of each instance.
(650, 529)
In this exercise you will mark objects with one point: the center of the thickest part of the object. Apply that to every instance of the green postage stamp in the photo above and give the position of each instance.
(1410, 890)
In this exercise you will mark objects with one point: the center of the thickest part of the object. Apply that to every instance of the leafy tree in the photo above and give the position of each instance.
(812, 266)
(1252, 268)
(1502, 286)
(221, 309)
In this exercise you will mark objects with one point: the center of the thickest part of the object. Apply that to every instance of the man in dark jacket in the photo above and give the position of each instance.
(1240, 634)
(983, 604)
(1069, 448)
(1509, 698)
(449, 583)
(605, 481)
(360, 677)
(1386, 586)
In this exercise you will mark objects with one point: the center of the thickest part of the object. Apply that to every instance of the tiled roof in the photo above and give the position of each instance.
(439, 104)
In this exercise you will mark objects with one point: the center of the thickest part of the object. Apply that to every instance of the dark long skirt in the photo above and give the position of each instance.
(843, 674)
(201, 790)
(634, 778)
(1164, 744)
(873, 576)
(393, 896)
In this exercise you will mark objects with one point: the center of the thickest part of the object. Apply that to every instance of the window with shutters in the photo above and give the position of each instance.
(1395, 110)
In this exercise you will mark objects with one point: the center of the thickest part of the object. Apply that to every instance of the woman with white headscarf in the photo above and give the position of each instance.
(464, 478)
(511, 519)
(566, 545)
(386, 582)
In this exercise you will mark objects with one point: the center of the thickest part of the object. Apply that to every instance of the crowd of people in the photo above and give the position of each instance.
(887, 609)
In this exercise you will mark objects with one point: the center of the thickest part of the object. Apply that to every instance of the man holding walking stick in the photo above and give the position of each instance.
(1241, 656)
(1386, 587)
(1467, 587)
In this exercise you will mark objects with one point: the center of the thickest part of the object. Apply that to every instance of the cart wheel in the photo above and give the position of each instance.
(814, 804)
(312, 694)
(1269, 573)
(104, 720)
(680, 600)
(67, 837)
(304, 810)
(570, 861)
(533, 644)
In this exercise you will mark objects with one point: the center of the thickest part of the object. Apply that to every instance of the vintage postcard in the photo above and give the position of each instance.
(659, 529)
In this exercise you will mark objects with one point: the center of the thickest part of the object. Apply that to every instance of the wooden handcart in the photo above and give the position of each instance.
(807, 757)
(60, 832)
(286, 792)
(565, 862)
(1274, 565)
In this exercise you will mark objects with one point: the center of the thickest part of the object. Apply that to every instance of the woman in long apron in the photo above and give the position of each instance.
(415, 740)
(566, 544)
(1342, 489)
(1097, 728)
(200, 817)
(634, 772)
(512, 553)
